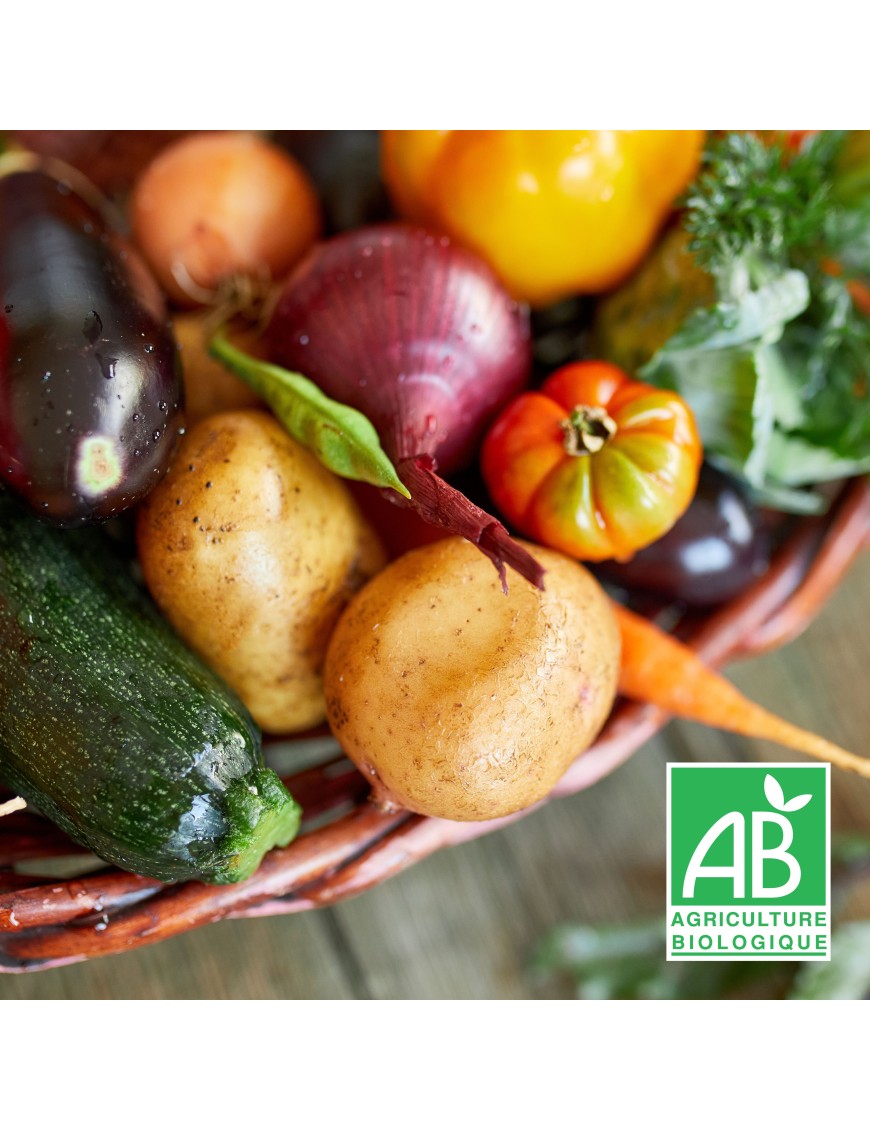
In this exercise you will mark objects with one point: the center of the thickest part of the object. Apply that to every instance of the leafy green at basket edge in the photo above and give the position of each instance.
(775, 369)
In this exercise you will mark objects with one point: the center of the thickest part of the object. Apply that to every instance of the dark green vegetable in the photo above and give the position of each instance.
(113, 729)
(748, 311)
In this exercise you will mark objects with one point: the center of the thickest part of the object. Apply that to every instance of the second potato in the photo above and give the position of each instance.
(251, 549)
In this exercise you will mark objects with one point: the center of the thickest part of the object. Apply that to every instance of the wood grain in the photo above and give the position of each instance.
(464, 923)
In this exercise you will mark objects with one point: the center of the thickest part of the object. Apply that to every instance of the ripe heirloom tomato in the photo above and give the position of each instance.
(595, 464)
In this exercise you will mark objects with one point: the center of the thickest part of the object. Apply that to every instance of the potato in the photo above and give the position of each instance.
(458, 701)
(251, 548)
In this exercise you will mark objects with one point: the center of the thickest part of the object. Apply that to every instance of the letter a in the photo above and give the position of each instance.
(736, 872)
(760, 854)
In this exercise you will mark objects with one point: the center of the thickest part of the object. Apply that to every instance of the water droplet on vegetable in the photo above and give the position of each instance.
(92, 327)
(107, 365)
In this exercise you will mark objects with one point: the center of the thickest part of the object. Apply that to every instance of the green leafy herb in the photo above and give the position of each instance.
(754, 202)
(342, 438)
(846, 976)
(777, 366)
(628, 961)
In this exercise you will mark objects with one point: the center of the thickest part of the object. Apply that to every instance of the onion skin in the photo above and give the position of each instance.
(418, 334)
(216, 206)
(90, 387)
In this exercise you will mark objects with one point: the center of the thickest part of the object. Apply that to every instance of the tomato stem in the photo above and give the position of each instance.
(587, 430)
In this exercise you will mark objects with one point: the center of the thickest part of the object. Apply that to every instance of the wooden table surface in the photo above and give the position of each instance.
(463, 924)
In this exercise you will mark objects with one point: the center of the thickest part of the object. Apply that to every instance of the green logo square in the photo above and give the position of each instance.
(748, 860)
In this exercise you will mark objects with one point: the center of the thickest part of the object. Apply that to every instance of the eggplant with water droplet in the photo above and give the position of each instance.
(715, 551)
(90, 386)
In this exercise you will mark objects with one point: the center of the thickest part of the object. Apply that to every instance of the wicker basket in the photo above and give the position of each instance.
(347, 845)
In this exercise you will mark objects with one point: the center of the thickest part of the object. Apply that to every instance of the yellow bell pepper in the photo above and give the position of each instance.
(555, 212)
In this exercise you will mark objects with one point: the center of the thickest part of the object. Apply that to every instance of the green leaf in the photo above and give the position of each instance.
(850, 849)
(777, 370)
(851, 178)
(788, 499)
(724, 364)
(342, 438)
(783, 387)
(728, 394)
(752, 199)
(794, 462)
(846, 977)
(607, 962)
(848, 238)
(757, 316)
(628, 961)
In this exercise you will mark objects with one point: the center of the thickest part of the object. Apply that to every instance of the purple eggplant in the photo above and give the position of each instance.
(90, 385)
(715, 551)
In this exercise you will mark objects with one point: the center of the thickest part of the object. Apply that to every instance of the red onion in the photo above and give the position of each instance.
(418, 334)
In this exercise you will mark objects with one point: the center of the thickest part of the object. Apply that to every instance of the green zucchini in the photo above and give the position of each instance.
(113, 728)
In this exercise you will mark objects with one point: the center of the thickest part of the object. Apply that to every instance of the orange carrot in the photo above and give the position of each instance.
(660, 670)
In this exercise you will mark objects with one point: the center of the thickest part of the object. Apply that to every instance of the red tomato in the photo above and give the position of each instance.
(595, 464)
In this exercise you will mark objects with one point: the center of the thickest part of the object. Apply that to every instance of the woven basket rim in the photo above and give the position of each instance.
(51, 923)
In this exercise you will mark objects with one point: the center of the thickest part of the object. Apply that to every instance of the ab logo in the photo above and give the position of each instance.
(748, 861)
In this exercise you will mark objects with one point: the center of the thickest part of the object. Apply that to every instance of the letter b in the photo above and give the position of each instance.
(778, 852)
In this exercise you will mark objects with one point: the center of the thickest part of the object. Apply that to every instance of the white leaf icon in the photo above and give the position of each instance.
(773, 793)
(776, 798)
